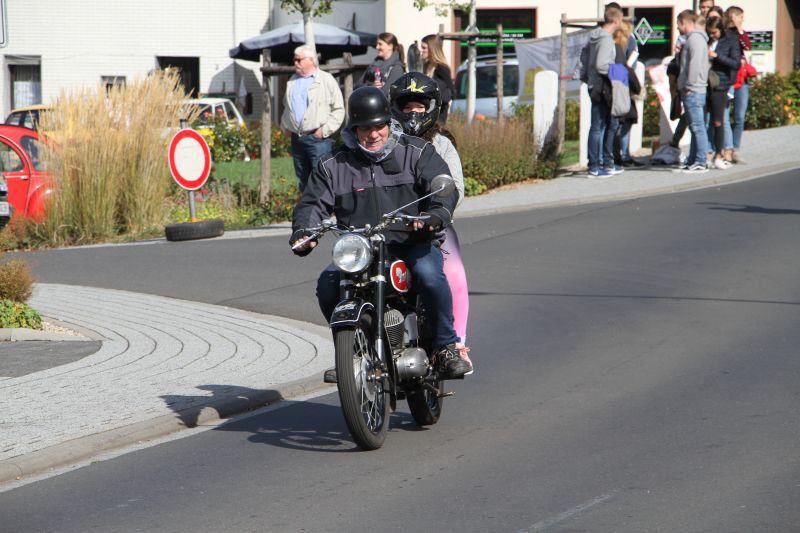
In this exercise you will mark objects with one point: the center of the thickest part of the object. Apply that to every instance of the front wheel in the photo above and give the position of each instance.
(361, 386)
(426, 405)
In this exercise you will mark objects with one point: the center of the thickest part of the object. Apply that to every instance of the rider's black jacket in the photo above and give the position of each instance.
(358, 191)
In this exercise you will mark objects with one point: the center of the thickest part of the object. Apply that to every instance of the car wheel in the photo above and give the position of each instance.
(187, 231)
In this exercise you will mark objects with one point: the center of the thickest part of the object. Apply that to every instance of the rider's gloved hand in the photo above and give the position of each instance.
(305, 248)
(433, 222)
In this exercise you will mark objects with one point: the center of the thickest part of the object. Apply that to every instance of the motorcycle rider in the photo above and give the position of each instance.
(415, 101)
(380, 169)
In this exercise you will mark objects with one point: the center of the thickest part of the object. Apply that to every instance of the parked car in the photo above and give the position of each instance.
(486, 87)
(216, 107)
(27, 117)
(22, 169)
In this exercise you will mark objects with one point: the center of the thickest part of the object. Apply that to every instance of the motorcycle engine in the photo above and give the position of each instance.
(412, 363)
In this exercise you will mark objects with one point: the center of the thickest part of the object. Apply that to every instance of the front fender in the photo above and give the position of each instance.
(349, 312)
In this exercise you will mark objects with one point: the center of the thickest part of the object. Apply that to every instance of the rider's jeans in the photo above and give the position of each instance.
(425, 262)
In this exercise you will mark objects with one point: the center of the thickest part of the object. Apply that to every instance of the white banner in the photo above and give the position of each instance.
(535, 55)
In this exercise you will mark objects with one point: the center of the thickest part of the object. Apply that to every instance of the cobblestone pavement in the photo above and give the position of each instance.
(160, 356)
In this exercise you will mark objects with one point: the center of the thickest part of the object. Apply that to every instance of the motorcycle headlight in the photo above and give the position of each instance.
(352, 253)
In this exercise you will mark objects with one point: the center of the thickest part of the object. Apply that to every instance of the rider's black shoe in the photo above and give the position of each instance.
(451, 366)
(330, 376)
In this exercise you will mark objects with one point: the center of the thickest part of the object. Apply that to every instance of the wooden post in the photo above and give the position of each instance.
(562, 88)
(266, 129)
(500, 84)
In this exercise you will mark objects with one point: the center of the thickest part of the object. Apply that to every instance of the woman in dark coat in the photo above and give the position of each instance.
(388, 66)
(725, 54)
(435, 66)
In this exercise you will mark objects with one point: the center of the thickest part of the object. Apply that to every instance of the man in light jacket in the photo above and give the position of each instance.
(601, 55)
(692, 85)
(313, 111)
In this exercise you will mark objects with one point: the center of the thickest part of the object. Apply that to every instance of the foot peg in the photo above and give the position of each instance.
(446, 394)
(330, 376)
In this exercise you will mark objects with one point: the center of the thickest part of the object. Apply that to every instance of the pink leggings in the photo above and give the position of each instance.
(457, 278)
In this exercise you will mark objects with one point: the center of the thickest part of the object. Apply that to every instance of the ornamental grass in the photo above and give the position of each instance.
(109, 159)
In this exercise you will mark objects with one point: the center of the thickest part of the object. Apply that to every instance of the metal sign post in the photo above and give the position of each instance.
(3, 24)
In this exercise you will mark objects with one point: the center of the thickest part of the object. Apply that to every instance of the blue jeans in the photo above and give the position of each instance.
(740, 101)
(427, 277)
(625, 140)
(601, 136)
(307, 150)
(694, 105)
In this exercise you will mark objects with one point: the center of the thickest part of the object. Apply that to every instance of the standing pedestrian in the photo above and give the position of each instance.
(601, 55)
(725, 54)
(734, 19)
(388, 66)
(313, 112)
(435, 66)
(622, 153)
(693, 84)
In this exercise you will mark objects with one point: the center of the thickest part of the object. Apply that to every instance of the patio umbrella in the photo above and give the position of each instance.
(331, 42)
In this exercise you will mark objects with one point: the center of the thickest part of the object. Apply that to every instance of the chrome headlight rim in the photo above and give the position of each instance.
(352, 253)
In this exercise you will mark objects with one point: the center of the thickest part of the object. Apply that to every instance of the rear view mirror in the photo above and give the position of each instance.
(443, 185)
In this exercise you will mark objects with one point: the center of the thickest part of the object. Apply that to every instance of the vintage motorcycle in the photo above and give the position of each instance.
(382, 338)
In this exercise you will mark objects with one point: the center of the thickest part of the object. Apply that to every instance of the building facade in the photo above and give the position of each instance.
(54, 45)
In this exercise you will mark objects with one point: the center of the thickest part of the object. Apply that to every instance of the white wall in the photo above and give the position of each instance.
(81, 40)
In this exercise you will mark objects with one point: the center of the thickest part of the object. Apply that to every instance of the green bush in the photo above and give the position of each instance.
(768, 106)
(16, 281)
(524, 114)
(473, 187)
(494, 155)
(280, 205)
(280, 144)
(652, 110)
(18, 315)
(226, 143)
(792, 83)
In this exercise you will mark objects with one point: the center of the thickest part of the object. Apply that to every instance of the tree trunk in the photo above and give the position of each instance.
(308, 29)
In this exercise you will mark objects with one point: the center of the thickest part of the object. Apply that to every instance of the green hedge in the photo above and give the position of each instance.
(18, 315)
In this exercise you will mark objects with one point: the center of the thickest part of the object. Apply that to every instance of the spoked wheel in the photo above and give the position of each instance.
(361, 387)
(426, 405)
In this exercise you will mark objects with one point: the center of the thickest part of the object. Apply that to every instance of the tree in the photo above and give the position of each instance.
(443, 8)
(309, 9)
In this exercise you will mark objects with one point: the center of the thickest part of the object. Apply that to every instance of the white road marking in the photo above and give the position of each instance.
(568, 514)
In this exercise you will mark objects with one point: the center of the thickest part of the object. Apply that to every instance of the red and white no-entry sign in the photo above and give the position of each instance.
(189, 159)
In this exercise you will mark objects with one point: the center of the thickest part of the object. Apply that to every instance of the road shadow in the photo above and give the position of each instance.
(308, 426)
(755, 209)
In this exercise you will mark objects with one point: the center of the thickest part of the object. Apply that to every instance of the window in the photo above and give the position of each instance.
(113, 81)
(486, 82)
(230, 111)
(517, 24)
(34, 148)
(659, 45)
(10, 161)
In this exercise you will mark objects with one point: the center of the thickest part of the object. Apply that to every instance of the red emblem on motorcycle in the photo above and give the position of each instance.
(399, 274)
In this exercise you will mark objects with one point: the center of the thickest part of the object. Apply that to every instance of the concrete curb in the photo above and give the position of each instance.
(725, 179)
(25, 334)
(83, 448)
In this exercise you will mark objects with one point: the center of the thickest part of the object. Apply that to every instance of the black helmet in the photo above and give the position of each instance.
(415, 87)
(368, 106)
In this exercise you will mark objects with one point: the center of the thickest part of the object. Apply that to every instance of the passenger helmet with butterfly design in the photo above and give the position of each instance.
(415, 87)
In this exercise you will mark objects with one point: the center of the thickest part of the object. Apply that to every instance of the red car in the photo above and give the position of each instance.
(24, 174)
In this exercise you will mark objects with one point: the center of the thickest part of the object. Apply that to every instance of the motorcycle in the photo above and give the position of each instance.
(382, 338)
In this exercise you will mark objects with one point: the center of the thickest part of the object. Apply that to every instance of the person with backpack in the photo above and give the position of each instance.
(693, 86)
(622, 154)
(601, 55)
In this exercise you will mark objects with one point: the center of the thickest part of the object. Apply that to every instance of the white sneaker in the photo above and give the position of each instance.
(696, 168)
(721, 164)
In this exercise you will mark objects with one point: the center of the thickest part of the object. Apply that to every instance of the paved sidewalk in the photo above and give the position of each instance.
(166, 364)
(161, 365)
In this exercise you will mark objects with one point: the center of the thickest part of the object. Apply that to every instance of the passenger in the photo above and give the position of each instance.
(415, 103)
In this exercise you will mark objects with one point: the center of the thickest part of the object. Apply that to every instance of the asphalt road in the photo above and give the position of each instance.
(636, 370)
